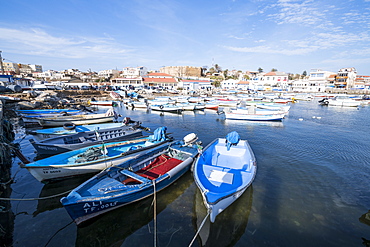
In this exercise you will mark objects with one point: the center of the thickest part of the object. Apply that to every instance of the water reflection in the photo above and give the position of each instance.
(56, 190)
(112, 228)
(229, 226)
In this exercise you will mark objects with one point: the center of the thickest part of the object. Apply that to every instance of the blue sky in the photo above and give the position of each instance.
(287, 35)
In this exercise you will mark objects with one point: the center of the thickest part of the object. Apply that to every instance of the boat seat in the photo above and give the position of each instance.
(134, 176)
(233, 158)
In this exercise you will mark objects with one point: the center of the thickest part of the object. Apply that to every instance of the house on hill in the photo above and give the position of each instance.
(160, 80)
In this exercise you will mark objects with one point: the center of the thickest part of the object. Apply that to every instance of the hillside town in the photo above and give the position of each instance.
(187, 78)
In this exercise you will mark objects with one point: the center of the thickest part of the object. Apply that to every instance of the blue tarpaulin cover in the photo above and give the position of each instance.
(232, 138)
(159, 134)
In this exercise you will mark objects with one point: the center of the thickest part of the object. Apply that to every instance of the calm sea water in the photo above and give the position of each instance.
(311, 189)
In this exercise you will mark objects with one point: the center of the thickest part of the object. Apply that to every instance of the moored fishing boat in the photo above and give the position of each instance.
(166, 108)
(95, 118)
(70, 128)
(60, 144)
(131, 180)
(223, 171)
(94, 158)
(102, 102)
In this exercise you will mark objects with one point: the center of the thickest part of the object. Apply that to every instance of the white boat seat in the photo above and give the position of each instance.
(233, 158)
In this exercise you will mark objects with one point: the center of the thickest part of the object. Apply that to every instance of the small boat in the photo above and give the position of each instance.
(34, 118)
(65, 143)
(186, 106)
(132, 180)
(223, 171)
(94, 158)
(166, 108)
(253, 114)
(212, 105)
(115, 95)
(60, 121)
(340, 100)
(102, 102)
(70, 128)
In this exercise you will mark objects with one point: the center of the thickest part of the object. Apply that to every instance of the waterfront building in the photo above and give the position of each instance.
(229, 84)
(182, 71)
(319, 80)
(10, 67)
(243, 85)
(128, 83)
(160, 80)
(131, 72)
(362, 82)
(195, 84)
(345, 78)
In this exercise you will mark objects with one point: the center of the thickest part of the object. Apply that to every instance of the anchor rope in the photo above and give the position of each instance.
(200, 227)
(33, 199)
(155, 215)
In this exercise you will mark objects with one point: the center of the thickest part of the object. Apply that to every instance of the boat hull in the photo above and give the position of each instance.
(105, 191)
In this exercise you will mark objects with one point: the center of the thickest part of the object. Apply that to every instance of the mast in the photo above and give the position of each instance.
(1, 64)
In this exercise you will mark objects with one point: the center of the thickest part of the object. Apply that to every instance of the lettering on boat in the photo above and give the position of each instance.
(47, 148)
(89, 207)
(51, 170)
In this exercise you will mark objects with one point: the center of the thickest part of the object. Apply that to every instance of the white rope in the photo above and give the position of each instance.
(200, 227)
(155, 216)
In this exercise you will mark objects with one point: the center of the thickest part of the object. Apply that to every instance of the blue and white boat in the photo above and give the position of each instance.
(131, 180)
(47, 111)
(70, 129)
(223, 171)
(65, 143)
(94, 159)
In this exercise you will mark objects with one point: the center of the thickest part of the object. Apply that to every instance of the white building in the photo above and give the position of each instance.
(229, 84)
(319, 80)
(108, 73)
(130, 72)
(346, 78)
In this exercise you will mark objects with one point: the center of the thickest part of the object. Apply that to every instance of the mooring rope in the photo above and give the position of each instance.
(200, 227)
(155, 216)
(33, 199)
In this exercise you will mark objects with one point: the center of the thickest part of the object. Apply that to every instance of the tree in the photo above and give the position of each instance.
(218, 68)
(260, 70)
(273, 70)
(304, 73)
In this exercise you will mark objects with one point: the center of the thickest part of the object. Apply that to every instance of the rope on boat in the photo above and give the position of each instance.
(200, 227)
(34, 199)
(155, 215)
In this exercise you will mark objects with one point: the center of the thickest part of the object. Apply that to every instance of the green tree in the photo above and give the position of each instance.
(273, 70)
(304, 73)
(260, 70)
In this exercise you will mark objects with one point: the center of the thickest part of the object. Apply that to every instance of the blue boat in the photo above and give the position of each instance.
(47, 111)
(41, 134)
(223, 172)
(131, 180)
(94, 159)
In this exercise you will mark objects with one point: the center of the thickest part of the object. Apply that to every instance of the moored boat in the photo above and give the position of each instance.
(131, 181)
(60, 144)
(94, 158)
(223, 171)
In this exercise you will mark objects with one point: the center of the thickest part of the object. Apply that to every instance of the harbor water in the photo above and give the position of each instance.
(311, 189)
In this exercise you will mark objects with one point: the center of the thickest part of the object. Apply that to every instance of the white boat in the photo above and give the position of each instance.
(340, 100)
(109, 116)
(223, 171)
(166, 108)
(253, 114)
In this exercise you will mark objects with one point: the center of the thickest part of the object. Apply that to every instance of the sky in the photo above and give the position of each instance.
(290, 36)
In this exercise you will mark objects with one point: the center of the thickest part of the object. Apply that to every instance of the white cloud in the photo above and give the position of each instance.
(39, 42)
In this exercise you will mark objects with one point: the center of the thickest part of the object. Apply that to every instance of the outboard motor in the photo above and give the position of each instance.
(190, 139)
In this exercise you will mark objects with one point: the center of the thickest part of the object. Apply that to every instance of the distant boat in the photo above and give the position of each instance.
(341, 100)
(166, 108)
(253, 114)
(60, 121)
(93, 159)
(223, 171)
(103, 102)
(131, 181)
(46, 111)
(64, 143)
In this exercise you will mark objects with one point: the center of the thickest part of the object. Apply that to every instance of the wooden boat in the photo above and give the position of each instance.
(60, 144)
(94, 158)
(223, 171)
(186, 106)
(109, 116)
(35, 118)
(69, 129)
(131, 181)
(255, 116)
